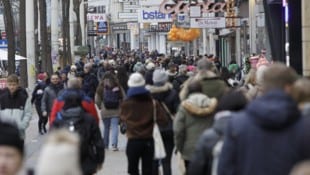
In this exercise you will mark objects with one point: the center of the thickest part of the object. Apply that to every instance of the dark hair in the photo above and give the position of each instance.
(72, 99)
(232, 101)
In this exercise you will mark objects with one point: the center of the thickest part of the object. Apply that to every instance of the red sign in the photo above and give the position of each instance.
(3, 35)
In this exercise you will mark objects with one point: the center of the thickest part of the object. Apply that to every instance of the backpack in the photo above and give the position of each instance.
(111, 94)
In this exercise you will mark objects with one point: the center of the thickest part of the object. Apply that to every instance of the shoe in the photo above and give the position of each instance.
(44, 129)
(114, 149)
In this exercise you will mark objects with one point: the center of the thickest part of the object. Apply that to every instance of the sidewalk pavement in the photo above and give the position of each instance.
(115, 161)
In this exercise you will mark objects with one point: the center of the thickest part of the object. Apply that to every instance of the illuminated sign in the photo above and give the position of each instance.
(167, 7)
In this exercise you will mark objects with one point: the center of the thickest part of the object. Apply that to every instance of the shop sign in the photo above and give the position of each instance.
(153, 15)
(120, 27)
(167, 7)
(96, 17)
(123, 15)
(102, 27)
(218, 22)
(160, 27)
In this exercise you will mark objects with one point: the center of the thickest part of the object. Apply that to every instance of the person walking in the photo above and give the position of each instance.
(137, 114)
(163, 92)
(270, 136)
(15, 105)
(195, 114)
(37, 95)
(49, 95)
(11, 149)
(108, 98)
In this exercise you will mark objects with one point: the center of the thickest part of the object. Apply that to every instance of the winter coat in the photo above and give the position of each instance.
(108, 113)
(16, 108)
(137, 114)
(268, 138)
(193, 117)
(212, 85)
(165, 94)
(90, 84)
(178, 82)
(49, 95)
(37, 93)
(87, 104)
(149, 77)
(202, 159)
(92, 146)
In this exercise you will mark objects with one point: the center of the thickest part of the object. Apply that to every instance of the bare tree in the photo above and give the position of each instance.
(9, 29)
(45, 51)
(76, 9)
(22, 41)
(36, 37)
(66, 33)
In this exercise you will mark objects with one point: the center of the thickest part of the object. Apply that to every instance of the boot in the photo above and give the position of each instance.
(40, 129)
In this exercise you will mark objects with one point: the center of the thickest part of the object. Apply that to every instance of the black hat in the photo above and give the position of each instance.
(10, 136)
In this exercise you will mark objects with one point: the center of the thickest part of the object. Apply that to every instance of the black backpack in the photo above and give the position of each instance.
(111, 95)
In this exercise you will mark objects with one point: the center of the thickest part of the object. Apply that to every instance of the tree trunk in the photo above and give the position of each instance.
(76, 8)
(36, 38)
(22, 39)
(9, 29)
(66, 33)
(45, 53)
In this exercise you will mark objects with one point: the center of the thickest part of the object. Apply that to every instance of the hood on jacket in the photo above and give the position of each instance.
(159, 89)
(275, 110)
(221, 121)
(199, 104)
(72, 112)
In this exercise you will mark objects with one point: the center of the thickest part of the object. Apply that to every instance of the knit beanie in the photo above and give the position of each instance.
(41, 76)
(150, 66)
(62, 152)
(136, 80)
(9, 136)
(160, 76)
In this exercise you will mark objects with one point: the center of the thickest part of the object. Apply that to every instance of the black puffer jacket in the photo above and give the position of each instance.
(92, 146)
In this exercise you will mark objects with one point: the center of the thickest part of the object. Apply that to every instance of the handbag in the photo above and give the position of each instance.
(123, 127)
(159, 149)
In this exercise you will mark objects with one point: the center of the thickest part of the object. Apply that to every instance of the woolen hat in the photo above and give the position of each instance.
(150, 66)
(160, 76)
(136, 80)
(41, 76)
(10, 136)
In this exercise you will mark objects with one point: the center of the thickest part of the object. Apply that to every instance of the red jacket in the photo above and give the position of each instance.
(87, 104)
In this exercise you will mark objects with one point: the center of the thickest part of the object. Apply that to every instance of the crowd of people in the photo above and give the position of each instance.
(219, 121)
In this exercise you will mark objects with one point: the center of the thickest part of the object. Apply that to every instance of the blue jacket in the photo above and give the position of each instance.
(268, 138)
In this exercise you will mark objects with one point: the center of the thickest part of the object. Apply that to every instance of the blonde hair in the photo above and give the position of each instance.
(302, 168)
(251, 77)
(61, 150)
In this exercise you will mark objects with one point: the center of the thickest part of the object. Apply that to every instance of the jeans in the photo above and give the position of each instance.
(140, 149)
(113, 123)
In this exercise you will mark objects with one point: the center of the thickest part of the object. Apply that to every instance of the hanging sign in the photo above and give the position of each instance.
(168, 7)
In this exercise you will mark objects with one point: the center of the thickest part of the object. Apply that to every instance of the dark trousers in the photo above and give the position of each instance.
(166, 162)
(140, 149)
(42, 120)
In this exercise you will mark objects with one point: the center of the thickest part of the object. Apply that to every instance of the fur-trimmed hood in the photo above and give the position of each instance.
(199, 104)
(198, 77)
(158, 89)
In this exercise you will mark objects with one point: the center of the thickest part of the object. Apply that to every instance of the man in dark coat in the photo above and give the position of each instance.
(270, 136)
(90, 81)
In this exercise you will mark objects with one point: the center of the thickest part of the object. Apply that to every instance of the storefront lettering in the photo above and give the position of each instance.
(182, 7)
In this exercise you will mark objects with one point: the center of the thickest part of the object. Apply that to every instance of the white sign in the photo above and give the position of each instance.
(150, 2)
(96, 17)
(219, 22)
(133, 16)
(195, 11)
(153, 15)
